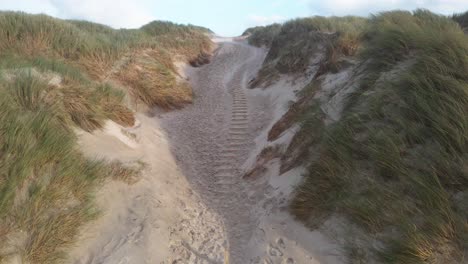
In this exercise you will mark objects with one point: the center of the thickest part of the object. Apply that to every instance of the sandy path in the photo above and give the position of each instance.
(192, 205)
(212, 139)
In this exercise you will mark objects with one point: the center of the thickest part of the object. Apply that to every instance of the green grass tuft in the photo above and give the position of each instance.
(462, 20)
(263, 36)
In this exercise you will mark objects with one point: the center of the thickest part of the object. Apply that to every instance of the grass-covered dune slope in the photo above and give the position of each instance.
(95, 49)
(57, 76)
(262, 35)
(294, 44)
(462, 19)
(384, 130)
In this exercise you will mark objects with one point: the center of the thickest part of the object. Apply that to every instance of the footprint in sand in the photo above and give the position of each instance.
(274, 251)
(280, 243)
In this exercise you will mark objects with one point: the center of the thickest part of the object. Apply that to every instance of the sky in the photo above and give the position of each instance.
(225, 17)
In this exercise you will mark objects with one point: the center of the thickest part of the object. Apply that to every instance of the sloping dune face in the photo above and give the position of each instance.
(380, 126)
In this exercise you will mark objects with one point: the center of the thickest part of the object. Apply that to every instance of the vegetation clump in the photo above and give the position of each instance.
(54, 78)
(96, 48)
(294, 44)
(397, 158)
(462, 20)
(394, 164)
(262, 35)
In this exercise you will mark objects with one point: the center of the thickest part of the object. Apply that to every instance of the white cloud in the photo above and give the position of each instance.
(257, 20)
(365, 7)
(115, 13)
(30, 6)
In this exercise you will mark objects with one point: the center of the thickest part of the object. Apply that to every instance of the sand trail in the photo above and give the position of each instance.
(192, 204)
(215, 139)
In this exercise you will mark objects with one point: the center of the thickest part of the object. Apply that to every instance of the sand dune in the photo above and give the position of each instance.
(192, 204)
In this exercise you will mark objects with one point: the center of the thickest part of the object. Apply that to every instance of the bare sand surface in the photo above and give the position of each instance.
(191, 204)
(216, 140)
(159, 219)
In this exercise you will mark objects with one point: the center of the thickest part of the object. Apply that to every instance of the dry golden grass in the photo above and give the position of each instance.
(96, 65)
(119, 114)
(127, 174)
(92, 46)
(83, 112)
(110, 100)
(349, 45)
(152, 80)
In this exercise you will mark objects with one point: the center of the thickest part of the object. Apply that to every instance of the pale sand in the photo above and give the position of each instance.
(157, 220)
